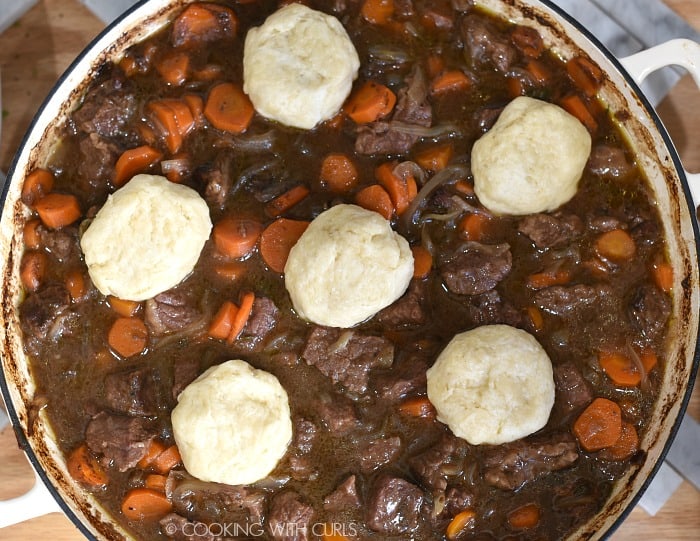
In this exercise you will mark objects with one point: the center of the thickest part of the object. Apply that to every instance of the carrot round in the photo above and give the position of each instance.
(619, 368)
(277, 240)
(36, 185)
(76, 285)
(155, 448)
(241, 316)
(133, 161)
(435, 158)
(536, 318)
(473, 226)
(418, 406)
(282, 203)
(338, 173)
(236, 237)
(370, 102)
(174, 68)
(220, 326)
(401, 191)
(459, 523)
(85, 468)
(422, 261)
(585, 75)
(203, 21)
(128, 336)
(167, 460)
(450, 81)
(599, 425)
(31, 235)
(375, 198)
(155, 481)
(377, 11)
(228, 108)
(145, 504)
(540, 280)
(662, 273)
(575, 105)
(626, 445)
(57, 210)
(175, 120)
(32, 269)
(524, 517)
(616, 245)
(123, 307)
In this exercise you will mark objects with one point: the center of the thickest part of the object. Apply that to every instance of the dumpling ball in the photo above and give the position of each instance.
(299, 66)
(346, 267)
(531, 160)
(493, 384)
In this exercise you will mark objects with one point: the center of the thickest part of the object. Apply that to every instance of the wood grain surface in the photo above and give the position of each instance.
(37, 49)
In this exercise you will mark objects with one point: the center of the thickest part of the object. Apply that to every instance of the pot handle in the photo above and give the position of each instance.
(36, 502)
(676, 52)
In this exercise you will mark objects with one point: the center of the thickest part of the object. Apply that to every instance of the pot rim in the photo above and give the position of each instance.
(91, 50)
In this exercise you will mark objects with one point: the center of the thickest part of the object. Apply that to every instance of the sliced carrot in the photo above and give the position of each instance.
(175, 120)
(128, 336)
(370, 102)
(459, 523)
(76, 285)
(648, 359)
(464, 187)
(418, 406)
(524, 517)
(422, 261)
(616, 245)
(36, 185)
(663, 275)
(528, 41)
(155, 481)
(145, 504)
(277, 240)
(203, 21)
(599, 425)
(377, 11)
(540, 280)
(228, 108)
(585, 75)
(435, 158)
(434, 65)
(450, 81)
(123, 307)
(474, 226)
(208, 73)
(626, 445)
(578, 108)
(536, 318)
(516, 86)
(338, 173)
(619, 368)
(32, 269)
(242, 315)
(230, 270)
(282, 203)
(399, 189)
(31, 235)
(85, 468)
(539, 71)
(57, 210)
(375, 198)
(196, 105)
(133, 161)
(174, 68)
(154, 449)
(220, 326)
(167, 460)
(236, 237)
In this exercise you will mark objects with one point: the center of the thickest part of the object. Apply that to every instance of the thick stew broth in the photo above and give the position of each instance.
(368, 458)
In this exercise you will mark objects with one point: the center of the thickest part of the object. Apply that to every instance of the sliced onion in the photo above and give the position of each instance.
(425, 131)
(387, 54)
(407, 169)
(179, 166)
(252, 143)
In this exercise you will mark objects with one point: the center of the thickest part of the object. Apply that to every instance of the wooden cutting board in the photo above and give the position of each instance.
(37, 49)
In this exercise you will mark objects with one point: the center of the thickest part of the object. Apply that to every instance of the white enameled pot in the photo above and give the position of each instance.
(675, 191)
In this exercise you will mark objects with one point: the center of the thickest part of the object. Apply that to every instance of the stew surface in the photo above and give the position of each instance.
(368, 458)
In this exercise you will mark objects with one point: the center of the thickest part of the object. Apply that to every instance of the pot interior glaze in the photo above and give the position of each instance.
(631, 110)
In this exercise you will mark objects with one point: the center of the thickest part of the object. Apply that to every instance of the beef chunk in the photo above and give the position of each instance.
(412, 106)
(337, 414)
(407, 377)
(290, 518)
(107, 108)
(134, 392)
(304, 435)
(262, 320)
(383, 137)
(379, 453)
(609, 162)
(438, 14)
(408, 310)
(172, 310)
(42, 309)
(434, 464)
(217, 179)
(457, 499)
(97, 159)
(343, 497)
(561, 300)
(484, 45)
(550, 231)
(477, 268)
(511, 465)
(61, 243)
(572, 391)
(346, 356)
(649, 310)
(601, 224)
(121, 441)
(394, 506)
(184, 373)
(485, 118)
(489, 308)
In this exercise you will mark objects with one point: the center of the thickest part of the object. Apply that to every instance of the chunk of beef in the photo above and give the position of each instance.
(97, 159)
(378, 453)
(134, 392)
(343, 497)
(551, 230)
(407, 377)
(172, 310)
(609, 162)
(489, 308)
(383, 137)
(42, 308)
(301, 465)
(394, 506)
(62, 243)
(511, 465)
(561, 300)
(433, 465)
(407, 310)
(337, 413)
(290, 517)
(438, 14)
(412, 105)
(347, 356)
(477, 268)
(184, 373)
(262, 320)
(572, 391)
(484, 45)
(601, 224)
(305, 432)
(649, 309)
(217, 179)
(457, 499)
(107, 108)
(121, 440)
(485, 118)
